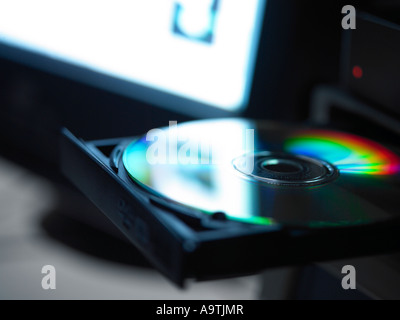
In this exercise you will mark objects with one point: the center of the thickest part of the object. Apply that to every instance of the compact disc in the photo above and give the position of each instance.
(266, 173)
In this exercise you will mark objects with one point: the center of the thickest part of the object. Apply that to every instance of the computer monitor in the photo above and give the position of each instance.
(195, 57)
(109, 69)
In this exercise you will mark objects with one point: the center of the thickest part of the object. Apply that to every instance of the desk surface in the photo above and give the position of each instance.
(25, 247)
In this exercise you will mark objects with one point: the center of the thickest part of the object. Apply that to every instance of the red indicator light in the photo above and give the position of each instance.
(357, 72)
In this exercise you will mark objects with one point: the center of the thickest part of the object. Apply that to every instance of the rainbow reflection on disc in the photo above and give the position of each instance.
(349, 153)
(365, 192)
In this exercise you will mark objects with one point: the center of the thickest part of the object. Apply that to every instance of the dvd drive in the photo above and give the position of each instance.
(222, 198)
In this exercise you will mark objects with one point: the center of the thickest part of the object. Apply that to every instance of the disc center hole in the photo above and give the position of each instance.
(281, 166)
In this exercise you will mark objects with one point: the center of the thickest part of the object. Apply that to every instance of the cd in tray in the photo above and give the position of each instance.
(217, 198)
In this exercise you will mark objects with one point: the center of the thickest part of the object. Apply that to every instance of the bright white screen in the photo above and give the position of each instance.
(203, 50)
